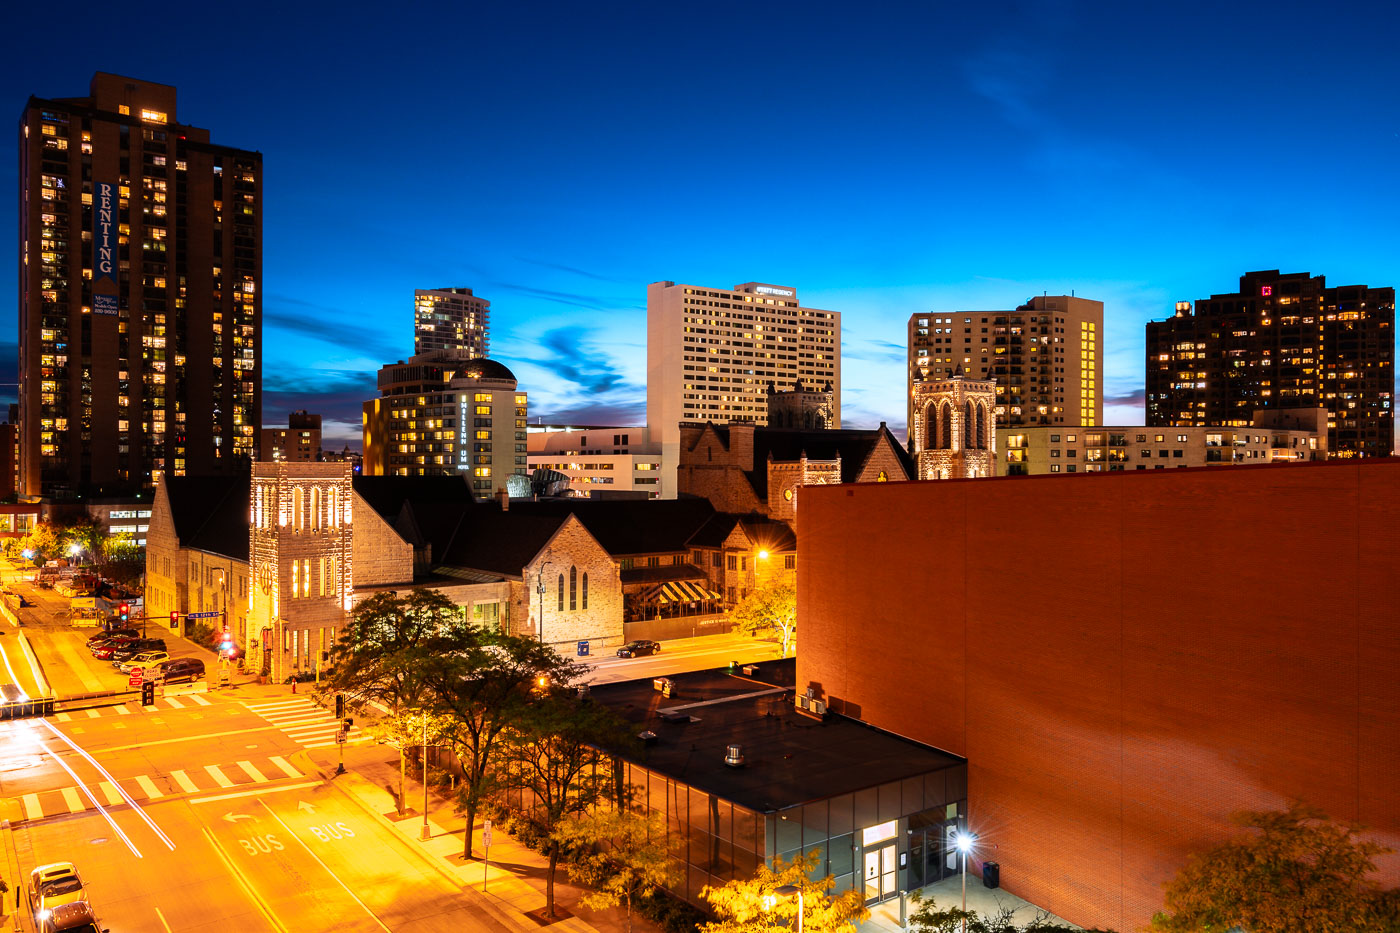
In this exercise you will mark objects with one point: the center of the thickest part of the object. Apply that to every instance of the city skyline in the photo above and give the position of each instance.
(842, 154)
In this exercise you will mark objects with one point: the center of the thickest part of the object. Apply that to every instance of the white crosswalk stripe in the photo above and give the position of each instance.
(301, 720)
(62, 801)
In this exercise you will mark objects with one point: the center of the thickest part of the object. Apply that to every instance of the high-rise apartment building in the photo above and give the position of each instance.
(1044, 356)
(711, 354)
(439, 415)
(1281, 341)
(450, 319)
(140, 293)
(299, 441)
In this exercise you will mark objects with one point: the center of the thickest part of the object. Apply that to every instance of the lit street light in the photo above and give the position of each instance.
(788, 890)
(965, 842)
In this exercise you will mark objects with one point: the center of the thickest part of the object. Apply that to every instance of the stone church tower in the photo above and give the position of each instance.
(809, 408)
(299, 556)
(954, 433)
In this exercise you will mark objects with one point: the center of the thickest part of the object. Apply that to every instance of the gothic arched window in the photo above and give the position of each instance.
(315, 508)
(332, 501)
(968, 438)
(945, 442)
(982, 427)
(561, 592)
(298, 513)
(573, 588)
(585, 591)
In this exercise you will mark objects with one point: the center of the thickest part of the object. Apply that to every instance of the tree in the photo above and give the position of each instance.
(44, 542)
(405, 729)
(553, 752)
(382, 654)
(771, 607)
(620, 854)
(928, 917)
(120, 558)
(479, 683)
(1297, 872)
(752, 905)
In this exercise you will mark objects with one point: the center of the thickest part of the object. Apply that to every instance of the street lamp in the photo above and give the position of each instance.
(539, 588)
(965, 842)
(788, 890)
(427, 833)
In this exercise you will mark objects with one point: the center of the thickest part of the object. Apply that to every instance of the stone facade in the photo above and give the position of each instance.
(785, 482)
(954, 432)
(182, 579)
(382, 557)
(302, 564)
(810, 409)
(579, 576)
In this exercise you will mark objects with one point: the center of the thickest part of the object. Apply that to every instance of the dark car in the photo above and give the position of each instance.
(637, 649)
(131, 649)
(177, 669)
(109, 637)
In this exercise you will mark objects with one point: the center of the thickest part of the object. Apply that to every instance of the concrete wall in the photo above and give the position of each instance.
(1124, 660)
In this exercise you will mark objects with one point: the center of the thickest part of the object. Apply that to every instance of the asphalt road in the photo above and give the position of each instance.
(688, 654)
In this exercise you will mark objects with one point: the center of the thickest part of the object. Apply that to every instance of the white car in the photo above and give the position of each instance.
(58, 901)
(143, 660)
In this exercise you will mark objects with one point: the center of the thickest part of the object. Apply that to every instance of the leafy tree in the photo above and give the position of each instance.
(771, 607)
(752, 906)
(44, 541)
(380, 657)
(928, 917)
(620, 854)
(121, 558)
(407, 729)
(553, 752)
(1297, 872)
(479, 683)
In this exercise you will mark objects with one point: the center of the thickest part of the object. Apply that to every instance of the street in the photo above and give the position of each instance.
(205, 810)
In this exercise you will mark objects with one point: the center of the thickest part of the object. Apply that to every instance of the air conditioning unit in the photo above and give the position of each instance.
(803, 701)
(819, 707)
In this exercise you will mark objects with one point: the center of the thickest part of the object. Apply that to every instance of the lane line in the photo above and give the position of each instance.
(110, 792)
(149, 786)
(286, 767)
(252, 772)
(342, 884)
(162, 921)
(255, 792)
(73, 774)
(218, 775)
(184, 781)
(32, 809)
(75, 803)
(245, 883)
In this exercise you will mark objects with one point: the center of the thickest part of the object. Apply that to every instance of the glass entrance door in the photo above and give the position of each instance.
(880, 872)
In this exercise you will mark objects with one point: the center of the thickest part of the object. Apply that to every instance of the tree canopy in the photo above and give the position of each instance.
(752, 905)
(770, 609)
(1296, 871)
(621, 855)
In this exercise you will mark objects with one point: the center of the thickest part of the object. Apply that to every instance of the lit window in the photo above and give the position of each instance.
(150, 116)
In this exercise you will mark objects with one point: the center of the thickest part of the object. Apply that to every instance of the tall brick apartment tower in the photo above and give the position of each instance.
(1281, 341)
(140, 293)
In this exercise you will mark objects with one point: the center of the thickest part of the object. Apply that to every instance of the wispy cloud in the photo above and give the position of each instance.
(573, 354)
(573, 270)
(603, 413)
(335, 395)
(1135, 397)
(572, 299)
(327, 325)
(875, 350)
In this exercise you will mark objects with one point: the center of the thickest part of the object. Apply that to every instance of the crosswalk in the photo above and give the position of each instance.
(145, 788)
(303, 721)
(187, 701)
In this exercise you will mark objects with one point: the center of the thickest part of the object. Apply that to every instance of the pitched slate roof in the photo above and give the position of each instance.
(787, 445)
(210, 513)
(773, 534)
(387, 494)
(490, 540)
(626, 527)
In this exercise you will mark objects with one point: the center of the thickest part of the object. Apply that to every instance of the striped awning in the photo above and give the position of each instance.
(683, 591)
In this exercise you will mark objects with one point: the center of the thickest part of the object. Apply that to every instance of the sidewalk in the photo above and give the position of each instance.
(515, 881)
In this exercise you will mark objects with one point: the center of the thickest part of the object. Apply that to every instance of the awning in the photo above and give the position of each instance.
(683, 591)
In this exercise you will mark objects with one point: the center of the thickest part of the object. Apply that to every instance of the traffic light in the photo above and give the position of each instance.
(339, 706)
(174, 618)
(125, 612)
(148, 694)
(346, 723)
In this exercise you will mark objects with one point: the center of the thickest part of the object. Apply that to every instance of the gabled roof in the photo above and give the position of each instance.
(494, 541)
(387, 494)
(210, 513)
(628, 527)
(854, 446)
(773, 534)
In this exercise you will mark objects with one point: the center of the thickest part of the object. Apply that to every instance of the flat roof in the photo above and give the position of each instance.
(789, 758)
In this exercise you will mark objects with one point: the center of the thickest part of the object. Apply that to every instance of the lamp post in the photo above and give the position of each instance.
(427, 833)
(539, 588)
(788, 890)
(965, 842)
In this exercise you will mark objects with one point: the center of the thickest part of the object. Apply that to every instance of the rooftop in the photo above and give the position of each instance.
(790, 758)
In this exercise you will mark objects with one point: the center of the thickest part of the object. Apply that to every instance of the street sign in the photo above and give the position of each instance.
(486, 834)
(136, 677)
(340, 737)
(203, 615)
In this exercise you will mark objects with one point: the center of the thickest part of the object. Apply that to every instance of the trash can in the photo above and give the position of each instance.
(991, 874)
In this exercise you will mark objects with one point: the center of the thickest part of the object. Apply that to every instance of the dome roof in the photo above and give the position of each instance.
(484, 369)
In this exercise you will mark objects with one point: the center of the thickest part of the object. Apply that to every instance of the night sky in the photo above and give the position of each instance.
(881, 158)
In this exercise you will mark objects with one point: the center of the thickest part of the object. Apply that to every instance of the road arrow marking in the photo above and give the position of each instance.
(235, 817)
(303, 805)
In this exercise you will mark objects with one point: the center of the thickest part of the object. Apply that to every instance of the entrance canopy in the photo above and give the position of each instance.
(684, 591)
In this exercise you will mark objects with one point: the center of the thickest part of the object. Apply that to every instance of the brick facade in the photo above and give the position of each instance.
(1175, 646)
(571, 554)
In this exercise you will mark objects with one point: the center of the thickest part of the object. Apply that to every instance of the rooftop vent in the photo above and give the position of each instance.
(648, 737)
(664, 685)
(734, 756)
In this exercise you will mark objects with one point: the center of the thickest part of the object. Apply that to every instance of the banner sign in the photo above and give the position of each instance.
(104, 232)
(104, 304)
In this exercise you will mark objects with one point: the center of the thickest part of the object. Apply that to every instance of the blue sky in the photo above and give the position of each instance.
(882, 158)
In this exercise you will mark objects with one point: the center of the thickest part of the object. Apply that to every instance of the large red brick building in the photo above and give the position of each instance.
(1124, 661)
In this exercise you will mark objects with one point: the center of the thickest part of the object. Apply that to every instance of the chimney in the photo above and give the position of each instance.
(503, 497)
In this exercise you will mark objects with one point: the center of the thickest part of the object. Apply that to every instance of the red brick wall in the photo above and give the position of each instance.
(1124, 659)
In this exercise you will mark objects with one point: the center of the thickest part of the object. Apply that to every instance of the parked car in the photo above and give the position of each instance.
(128, 633)
(143, 661)
(140, 646)
(111, 644)
(56, 896)
(637, 649)
(177, 669)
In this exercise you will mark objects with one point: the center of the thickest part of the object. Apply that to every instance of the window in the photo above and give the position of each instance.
(573, 588)
(315, 508)
(731, 562)
(1070, 469)
(585, 591)
(714, 559)
(1054, 468)
(561, 593)
(298, 513)
(1176, 454)
(789, 561)
(1054, 453)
